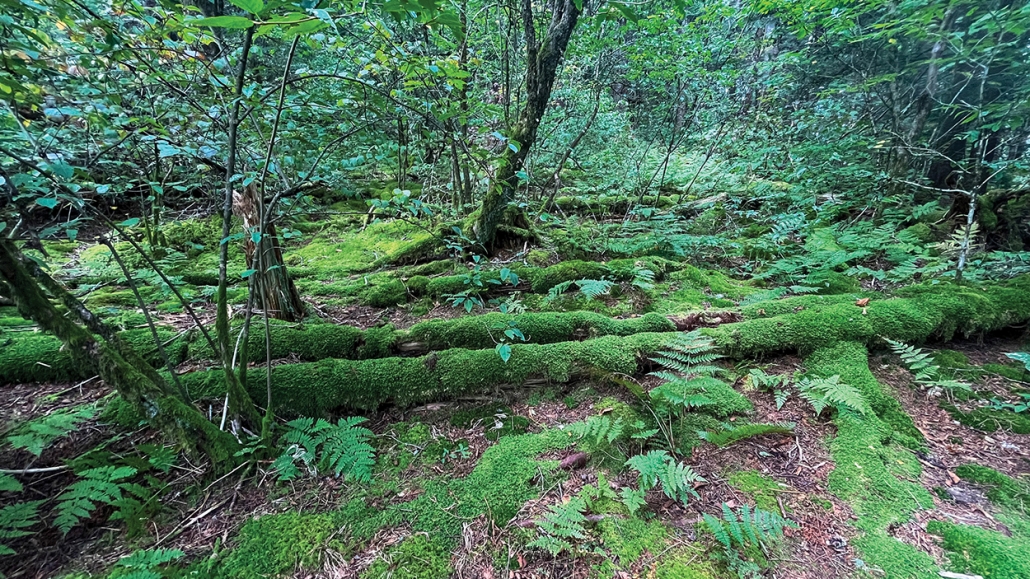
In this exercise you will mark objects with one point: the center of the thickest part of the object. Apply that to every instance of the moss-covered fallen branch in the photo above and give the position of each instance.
(384, 290)
(917, 314)
(37, 357)
(319, 387)
(313, 342)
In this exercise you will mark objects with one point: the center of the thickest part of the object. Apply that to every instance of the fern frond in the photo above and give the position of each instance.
(823, 392)
(597, 429)
(561, 524)
(15, 520)
(743, 431)
(98, 486)
(342, 448)
(657, 468)
(38, 434)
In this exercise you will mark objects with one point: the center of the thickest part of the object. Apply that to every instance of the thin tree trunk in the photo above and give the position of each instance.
(542, 60)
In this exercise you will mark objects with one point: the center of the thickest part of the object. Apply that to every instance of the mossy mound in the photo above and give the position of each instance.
(1001, 489)
(986, 553)
(276, 545)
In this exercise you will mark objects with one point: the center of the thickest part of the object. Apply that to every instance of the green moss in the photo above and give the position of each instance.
(920, 231)
(416, 557)
(507, 475)
(955, 364)
(833, 283)
(1012, 371)
(314, 341)
(506, 426)
(544, 328)
(686, 428)
(686, 563)
(314, 388)
(926, 310)
(275, 545)
(37, 357)
(989, 419)
(629, 539)
(1001, 489)
(983, 552)
(119, 412)
(332, 253)
(879, 480)
(759, 487)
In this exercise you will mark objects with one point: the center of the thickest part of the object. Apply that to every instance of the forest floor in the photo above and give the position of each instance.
(956, 498)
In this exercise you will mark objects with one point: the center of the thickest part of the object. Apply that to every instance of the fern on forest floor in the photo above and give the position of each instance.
(735, 433)
(319, 445)
(36, 435)
(927, 374)
(738, 531)
(657, 469)
(830, 392)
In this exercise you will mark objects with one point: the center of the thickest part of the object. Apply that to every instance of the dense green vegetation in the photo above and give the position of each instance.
(575, 288)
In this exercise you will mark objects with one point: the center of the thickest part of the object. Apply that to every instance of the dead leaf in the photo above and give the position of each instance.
(862, 302)
(954, 478)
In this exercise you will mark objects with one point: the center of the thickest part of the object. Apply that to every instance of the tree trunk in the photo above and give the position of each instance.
(542, 60)
(270, 280)
(144, 390)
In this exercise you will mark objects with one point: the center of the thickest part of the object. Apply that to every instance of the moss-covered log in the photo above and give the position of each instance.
(320, 387)
(919, 313)
(539, 280)
(36, 357)
(315, 342)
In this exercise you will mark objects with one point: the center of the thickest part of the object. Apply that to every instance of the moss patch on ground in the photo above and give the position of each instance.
(874, 474)
(983, 552)
(762, 489)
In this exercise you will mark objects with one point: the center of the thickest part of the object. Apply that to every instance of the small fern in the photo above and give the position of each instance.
(682, 394)
(589, 288)
(560, 526)
(147, 564)
(15, 520)
(927, 374)
(342, 448)
(98, 486)
(822, 393)
(36, 435)
(736, 531)
(658, 469)
(733, 434)
(597, 429)
(690, 354)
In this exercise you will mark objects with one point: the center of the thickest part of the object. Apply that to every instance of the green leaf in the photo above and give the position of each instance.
(231, 22)
(253, 6)
(48, 202)
(247, 273)
(129, 222)
(504, 351)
